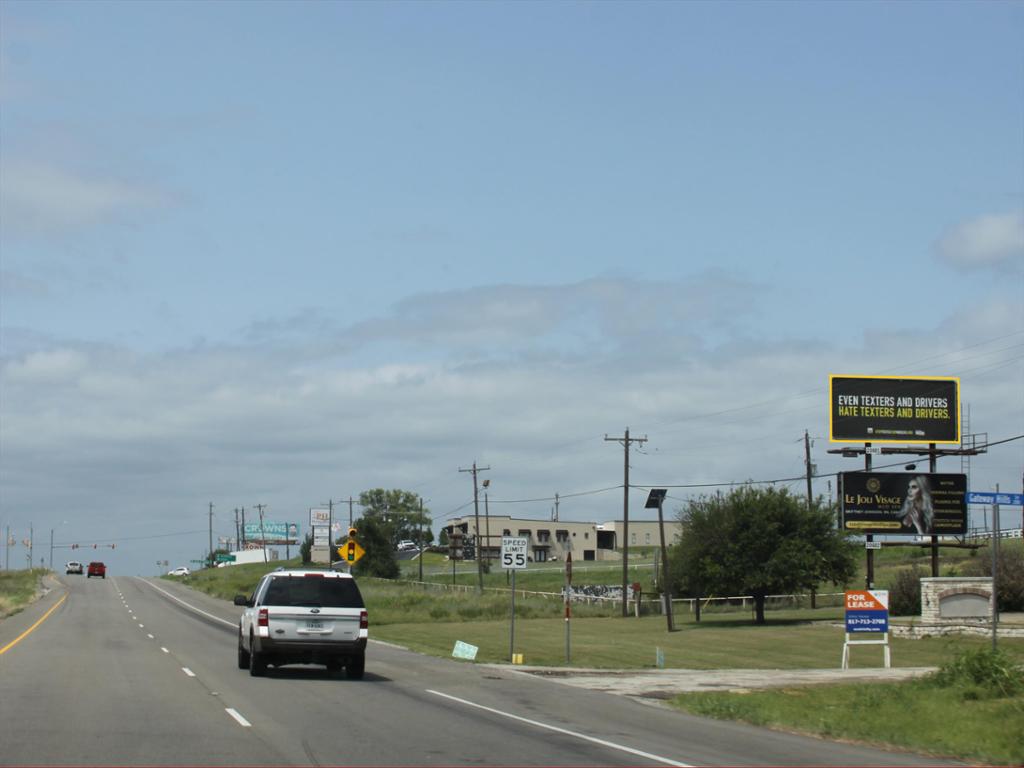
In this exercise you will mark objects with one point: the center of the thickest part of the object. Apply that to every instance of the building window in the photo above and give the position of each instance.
(544, 537)
(647, 538)
(561, 536)
(632, 538)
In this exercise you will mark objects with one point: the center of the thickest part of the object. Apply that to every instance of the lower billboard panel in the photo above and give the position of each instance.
(903, 504)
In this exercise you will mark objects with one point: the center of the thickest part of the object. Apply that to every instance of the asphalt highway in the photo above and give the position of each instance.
(143, 672)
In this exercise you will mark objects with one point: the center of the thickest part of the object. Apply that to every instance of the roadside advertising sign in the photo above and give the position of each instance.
(271, 532)
(867, 610)
(319, 517)
(893, 409)
(903, 503)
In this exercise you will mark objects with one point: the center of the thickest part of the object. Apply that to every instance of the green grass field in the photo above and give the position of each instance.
(18, 589)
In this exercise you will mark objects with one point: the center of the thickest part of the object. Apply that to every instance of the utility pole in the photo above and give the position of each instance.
(554, 514)
(625, 441)
(51, 549)
(349, 511)
(487, 523)
(211, 536)
(244, 541)
(476, 515)
(419, 536)
(807, 460)
(330, 526)
(7, 549)
(810, 497)
(238, 537)
(263, 534)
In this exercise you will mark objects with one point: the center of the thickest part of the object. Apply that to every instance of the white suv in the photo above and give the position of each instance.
(303, 617)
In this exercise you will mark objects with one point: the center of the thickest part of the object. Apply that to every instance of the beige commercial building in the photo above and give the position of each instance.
(553, 539)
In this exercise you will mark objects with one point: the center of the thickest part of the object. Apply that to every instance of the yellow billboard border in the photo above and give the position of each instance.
(955, 379)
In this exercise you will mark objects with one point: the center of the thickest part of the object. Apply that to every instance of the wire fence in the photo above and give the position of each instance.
(590, 595)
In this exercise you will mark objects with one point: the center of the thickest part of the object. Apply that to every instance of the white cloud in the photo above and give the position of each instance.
(53, 366)
(41, 198)
(570, 317)
(139, 445)
(990, 241)
(15, 284)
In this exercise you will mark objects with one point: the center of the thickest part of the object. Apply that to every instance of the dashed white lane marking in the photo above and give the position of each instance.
(241, 720)
(231, 624)
(142, 626)
(188, 671)
(150, 636)
(164, 649)
(556, 729)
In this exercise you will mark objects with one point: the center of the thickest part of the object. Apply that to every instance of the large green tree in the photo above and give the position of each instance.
(759, 542)
(379, 560)
(400, 514)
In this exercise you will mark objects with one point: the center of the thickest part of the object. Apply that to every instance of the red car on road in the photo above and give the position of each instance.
(96, 569)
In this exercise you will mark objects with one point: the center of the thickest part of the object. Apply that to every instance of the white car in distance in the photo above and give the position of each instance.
(181, 570)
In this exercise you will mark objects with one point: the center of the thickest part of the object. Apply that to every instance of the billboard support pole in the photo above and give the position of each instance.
(932, 463)
(995, 570)
(870, 578)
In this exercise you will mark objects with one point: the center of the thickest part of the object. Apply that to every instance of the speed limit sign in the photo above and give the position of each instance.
(513, 552)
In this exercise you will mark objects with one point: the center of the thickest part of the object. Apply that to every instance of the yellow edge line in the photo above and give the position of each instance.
(21, 637)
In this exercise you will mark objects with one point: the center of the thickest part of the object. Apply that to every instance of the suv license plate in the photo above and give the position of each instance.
(314, 625)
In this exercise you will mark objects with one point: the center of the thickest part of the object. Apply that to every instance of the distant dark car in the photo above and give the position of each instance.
(74, 567)
(96, 569)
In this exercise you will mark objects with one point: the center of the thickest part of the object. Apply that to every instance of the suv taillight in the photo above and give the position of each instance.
(364, 620)
(264, 618)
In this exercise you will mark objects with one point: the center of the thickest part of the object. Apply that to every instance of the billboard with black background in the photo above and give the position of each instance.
(903, 503)
(893, 409)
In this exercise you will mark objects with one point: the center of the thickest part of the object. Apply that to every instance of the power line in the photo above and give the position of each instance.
(814, 476)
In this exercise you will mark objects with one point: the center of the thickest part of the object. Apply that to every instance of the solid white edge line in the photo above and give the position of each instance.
(241, 720)
(188, 671)
(190, 607)
(556, 729)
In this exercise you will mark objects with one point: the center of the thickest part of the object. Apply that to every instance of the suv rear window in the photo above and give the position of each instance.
(313, 592)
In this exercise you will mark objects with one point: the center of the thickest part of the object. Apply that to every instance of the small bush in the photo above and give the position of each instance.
(1009, 578)
(905, 593)
(982, 674)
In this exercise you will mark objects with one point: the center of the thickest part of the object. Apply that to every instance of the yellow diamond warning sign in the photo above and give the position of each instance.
(350, 551)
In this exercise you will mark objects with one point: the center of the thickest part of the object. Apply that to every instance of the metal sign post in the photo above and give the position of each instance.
(568, 601)
(513, 558)
(656, 498)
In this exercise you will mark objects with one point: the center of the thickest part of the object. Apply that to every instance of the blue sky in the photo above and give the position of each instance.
(280, 252)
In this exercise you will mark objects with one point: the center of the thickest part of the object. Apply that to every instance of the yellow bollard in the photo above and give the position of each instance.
(517, 658)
